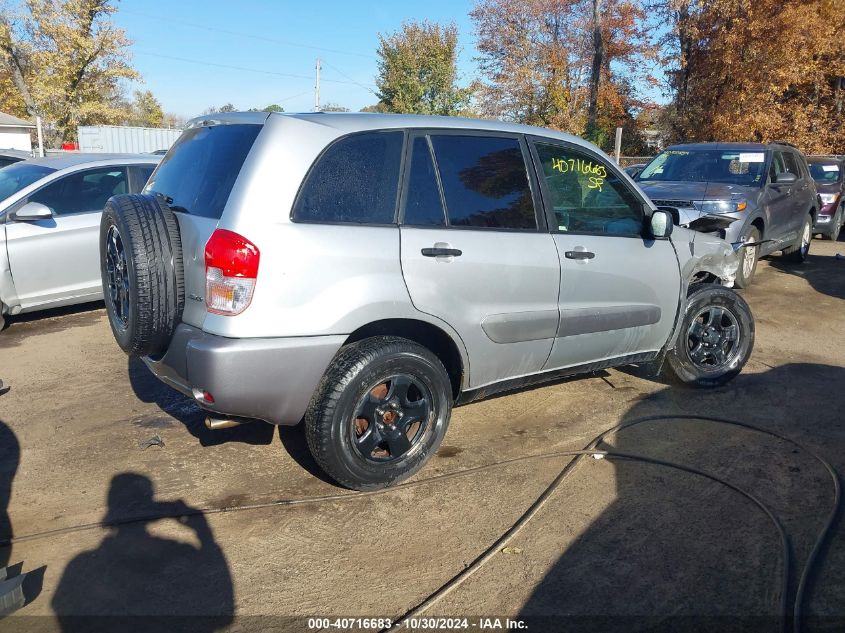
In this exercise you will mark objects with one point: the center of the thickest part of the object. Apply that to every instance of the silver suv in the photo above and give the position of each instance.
(368, 272)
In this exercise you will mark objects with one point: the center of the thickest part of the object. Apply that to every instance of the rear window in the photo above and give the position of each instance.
(355, 181)
(199, 171)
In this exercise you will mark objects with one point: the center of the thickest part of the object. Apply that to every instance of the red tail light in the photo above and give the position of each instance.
(231, 267)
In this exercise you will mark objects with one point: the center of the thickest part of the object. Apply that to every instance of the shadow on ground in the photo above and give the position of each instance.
(17, 589)
(136, 581)
(824, 273)
(675, 551)
(150, 389)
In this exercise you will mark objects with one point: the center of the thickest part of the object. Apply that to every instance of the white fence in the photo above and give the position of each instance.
(117, 139)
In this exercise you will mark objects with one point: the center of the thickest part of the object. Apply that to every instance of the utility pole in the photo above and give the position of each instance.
(317, 89)
(40, 136)
(617, 146)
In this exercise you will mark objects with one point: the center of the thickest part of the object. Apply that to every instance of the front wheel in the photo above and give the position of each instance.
(379, 413)
(748, 261)
(798, 252)
(715, 339)
(835, 225)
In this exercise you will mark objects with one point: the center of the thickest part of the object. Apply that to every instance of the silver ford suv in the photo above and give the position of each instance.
(366, 273)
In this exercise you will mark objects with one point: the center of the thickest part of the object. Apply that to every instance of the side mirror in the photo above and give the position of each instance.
(32, 212)
(660, 225)
(786, 178)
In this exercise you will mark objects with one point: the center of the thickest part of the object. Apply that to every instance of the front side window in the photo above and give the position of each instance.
(83, 191)
(587, 196)
(777, 167)
(485, 182)
(355, 181)
(791, 164)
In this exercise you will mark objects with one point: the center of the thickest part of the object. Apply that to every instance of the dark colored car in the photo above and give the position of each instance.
(764, 190)
(634, 170)
(830, 183)
(9, 156)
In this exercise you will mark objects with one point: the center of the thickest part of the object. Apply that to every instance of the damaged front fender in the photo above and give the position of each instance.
(705, 257)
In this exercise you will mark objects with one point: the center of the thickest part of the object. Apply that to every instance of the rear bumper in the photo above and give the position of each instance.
(271, 379)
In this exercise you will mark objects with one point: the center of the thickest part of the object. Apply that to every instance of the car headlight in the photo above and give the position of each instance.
(718, 207)
(828, 198)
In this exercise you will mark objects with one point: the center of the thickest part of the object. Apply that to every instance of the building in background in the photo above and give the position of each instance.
(15, 133)
(119, 139)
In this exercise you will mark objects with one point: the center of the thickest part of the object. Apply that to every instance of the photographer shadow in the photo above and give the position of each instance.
(136, 581)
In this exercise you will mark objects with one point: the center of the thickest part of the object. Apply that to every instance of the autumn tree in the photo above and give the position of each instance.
(565, 64)
(66, 60)
(757, 71)
(418, 71)
(333, 107)
(273, 107)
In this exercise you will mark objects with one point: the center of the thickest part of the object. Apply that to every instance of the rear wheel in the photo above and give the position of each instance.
(715, 340)
(379, 413)
(748, 260)
(798, 252)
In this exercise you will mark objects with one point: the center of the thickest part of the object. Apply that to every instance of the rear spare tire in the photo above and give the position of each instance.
(142, 275)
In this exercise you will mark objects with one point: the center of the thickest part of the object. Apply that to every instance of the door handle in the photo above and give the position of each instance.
(579, 255)
(441, 252)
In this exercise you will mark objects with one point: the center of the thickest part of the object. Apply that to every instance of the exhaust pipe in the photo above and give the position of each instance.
(215, 424)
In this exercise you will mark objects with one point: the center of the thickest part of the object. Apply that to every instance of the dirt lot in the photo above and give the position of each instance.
(615, 539)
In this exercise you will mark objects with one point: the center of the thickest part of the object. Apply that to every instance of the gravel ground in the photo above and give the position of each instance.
(617, 540)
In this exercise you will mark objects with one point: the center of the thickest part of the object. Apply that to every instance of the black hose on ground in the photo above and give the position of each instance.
(590, 449)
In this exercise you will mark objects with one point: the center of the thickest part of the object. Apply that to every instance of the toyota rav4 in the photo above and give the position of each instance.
(366, 273)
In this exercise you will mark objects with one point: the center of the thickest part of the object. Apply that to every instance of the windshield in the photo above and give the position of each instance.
(822, 172)
(710, 165)
(15, 177)
(198, 173)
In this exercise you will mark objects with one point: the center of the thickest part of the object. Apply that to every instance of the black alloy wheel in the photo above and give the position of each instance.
(391, 418)
(118, 277)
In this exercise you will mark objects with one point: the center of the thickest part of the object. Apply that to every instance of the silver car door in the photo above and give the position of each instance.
(488, 266)
(57, 260)
(619, 291)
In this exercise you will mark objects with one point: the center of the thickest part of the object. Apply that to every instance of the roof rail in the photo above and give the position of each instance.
(784, 143)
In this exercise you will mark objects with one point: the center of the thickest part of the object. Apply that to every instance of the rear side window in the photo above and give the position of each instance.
(198, 173)
(355, 181)
(423, 206)
(485, 182)
(83, 191)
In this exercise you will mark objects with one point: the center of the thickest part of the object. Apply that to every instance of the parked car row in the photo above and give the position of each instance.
(768, 195)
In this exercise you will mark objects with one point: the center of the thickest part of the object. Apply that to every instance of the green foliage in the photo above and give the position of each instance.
(418, 70)
(145, 111)
(273, 107)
